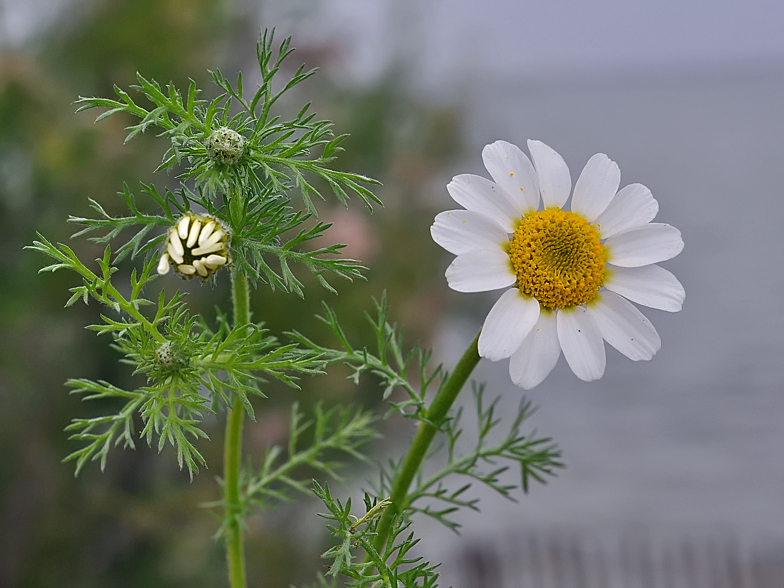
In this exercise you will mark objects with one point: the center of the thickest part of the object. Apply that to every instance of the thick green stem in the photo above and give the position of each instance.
(235, 547)
(240, 294)
(416, 453)
(232, 456)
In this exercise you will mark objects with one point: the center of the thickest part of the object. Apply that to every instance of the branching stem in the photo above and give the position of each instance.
(131, 310)
(427, 429)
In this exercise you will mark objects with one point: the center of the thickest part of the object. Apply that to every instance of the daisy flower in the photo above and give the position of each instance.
(568, 275)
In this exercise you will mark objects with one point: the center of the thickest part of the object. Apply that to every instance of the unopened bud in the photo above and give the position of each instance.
(197, 245)
(225, 146)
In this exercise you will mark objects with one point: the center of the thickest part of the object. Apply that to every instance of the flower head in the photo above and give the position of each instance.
(196, 245)
(569, 273)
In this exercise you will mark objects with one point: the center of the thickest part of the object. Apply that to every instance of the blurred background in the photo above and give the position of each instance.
(675, 467)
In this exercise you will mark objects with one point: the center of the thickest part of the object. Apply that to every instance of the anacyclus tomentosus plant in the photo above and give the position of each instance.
(245, 209)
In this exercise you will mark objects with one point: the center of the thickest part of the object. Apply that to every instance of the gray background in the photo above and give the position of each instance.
(688, 98)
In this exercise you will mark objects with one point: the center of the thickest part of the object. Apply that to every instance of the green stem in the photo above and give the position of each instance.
(427, 429)
(232, 457)
(131, 309)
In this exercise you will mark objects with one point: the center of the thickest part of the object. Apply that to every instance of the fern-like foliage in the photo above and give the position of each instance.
(356, 559)
(278, 153)
(251, 196)
(180, 356)
(408, 371)
(265, 232)
(436, 494)
(317, 445)
(190, 368)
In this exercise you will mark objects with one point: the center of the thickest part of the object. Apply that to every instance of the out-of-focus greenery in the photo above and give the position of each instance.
(138, 523)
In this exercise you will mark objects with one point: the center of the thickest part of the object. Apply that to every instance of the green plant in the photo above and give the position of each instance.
(245, 207)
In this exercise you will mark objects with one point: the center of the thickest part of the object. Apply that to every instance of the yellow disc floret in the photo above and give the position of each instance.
(558, 258)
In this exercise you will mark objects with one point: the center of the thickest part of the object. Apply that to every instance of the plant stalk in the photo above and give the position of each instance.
(232, 456)
(416, 453)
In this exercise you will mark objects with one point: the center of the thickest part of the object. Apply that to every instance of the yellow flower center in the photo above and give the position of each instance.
(558, 258)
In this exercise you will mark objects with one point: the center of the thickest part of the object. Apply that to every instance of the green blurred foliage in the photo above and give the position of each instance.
(139, 523)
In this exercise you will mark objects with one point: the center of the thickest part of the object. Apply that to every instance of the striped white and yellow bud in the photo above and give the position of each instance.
(197, 245)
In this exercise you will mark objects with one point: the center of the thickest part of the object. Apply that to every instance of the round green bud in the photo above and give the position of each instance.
(164, 356)
(169, 359)
(225, 146)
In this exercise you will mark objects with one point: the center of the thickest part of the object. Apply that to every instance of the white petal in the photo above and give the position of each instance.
(212, 239)
(199, 266)
(176, 257)
(507, 324)
(581, 342)
(513, 171)
(480, 271)
(596, 186)
(174, 241)
(555, 182)
(182, 227)
(649, 285)
(206, 232)
(624, 327)
(460, 231)
(194, 232)
(538, 354)
(215, 260)
(483, 196)
(644, 245)
(632, 207)
(186, 269)
(163, 264)
(208, 248)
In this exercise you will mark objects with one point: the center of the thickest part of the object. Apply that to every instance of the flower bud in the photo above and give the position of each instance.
(169, 358)
(197, 245)
(225, 146)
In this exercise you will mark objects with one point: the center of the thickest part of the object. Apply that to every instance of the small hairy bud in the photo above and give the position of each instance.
(164, 355)
(169, 359)
(225, 146)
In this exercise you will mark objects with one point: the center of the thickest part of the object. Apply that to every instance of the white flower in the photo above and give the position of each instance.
(196, 245)
(570, 272)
